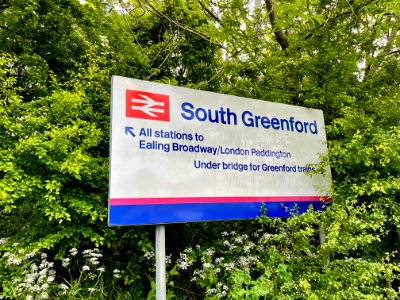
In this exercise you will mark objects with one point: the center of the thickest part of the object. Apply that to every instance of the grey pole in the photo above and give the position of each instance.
(322, 234)
(161, 290)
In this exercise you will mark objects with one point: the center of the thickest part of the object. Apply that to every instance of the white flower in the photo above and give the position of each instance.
(219, 259)
(149, 255)
(73, 251)
(168, 259)
(35, 288)
(65, 262)
(226, 243)
(43, 255)
(266, 236)
(34, 267)
(102, 269)
(13, 261)
(239, 239)
(232, 247)
(104, 40)
(243, 261)
(212, 291)
(208, 265)
(229, 266)
(222, 294)
(183, 265)
(64, 286)
(30, 278)
(85, 268)
(94, 254)
(248, 247)
(21, 286)
(94, 261)
(188, 250)
(210, 252)
(3, 241)
(43, 272)
(116, 273)
(29, 255)
(91, 290)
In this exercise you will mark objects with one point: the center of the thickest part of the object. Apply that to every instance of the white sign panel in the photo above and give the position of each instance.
(181, 155)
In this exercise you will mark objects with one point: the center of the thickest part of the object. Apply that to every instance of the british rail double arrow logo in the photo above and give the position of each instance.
(145, 105)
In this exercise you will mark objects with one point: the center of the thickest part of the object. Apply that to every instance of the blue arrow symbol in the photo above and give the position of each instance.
(129, 130)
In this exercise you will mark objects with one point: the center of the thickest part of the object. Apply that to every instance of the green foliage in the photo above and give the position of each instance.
(283, 260)
(56, 59)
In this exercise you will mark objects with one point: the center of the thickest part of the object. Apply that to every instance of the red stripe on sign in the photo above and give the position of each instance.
(185, 200)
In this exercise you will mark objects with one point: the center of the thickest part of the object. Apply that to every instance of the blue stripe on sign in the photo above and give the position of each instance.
(197, 212)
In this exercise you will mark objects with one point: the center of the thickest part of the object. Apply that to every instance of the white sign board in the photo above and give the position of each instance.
(180, 155)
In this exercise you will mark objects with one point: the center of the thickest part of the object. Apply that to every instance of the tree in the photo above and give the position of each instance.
(56, 60)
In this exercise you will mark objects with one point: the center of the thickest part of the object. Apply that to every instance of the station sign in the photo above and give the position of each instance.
(185, 155)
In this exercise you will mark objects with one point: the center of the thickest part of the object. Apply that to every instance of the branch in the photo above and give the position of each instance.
(223, 66)
(279, 34)
(210, 12)
(386, 50)
(170, 41)
(394, 52)
(163, 62)
(180, 25)
(130, 29)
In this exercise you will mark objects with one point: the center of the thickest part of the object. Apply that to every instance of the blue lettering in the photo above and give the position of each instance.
(275, 123)
(227, 117)
(247, 118)
(299, 126)
(222, 115)
(265, 122)
(188, 110)
(201, 114)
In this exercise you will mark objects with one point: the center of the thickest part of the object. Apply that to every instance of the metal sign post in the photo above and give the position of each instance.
(161, 291)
